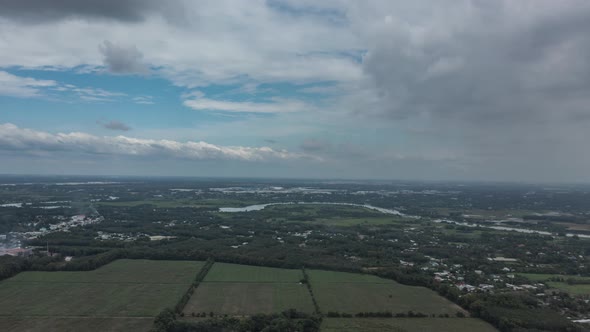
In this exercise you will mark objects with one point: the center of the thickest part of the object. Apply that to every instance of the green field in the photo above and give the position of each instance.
(582, 289)
(406, 325)
(361, 221)
(124, 288)
(223, 272)
(575, 289)
(235, 298)
(544, 277)
(241, 290)
(320, 276)
(137, 271)
(353, 293)
(68, 324)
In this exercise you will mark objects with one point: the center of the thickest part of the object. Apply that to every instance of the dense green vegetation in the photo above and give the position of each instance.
(405, 325)
(289, 320)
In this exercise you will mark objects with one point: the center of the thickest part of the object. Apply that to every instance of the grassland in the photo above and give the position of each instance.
(133, 289)
(574, 289)
(242, 290)
(353, 293)
(405, 325)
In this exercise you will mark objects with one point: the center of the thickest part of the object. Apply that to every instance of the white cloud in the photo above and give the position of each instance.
(23, 140)
(276, 106)
(220, 41)
(95, 94)
(145, 100)
(23, 87)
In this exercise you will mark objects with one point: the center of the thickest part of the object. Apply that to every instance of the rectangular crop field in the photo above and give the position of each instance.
(353, 293)
(235, 289)
(223, 272)
(122, 271)
(235, 298)
(69, 324)
(321, 276)
(124, 288)
(406, 325)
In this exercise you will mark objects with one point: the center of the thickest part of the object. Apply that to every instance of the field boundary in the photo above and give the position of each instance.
(75, 317)
(308, 284)
(95, 283)
(190, 291)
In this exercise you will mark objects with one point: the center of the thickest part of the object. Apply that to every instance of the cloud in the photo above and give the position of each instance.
(22, 87)
(497, 85)
(50, 10)
(95, 94)
(275, 106)
(145, 100)
(492, 64)
(14, 138)
(220, 41)
(122, 60)
(314, 145)
(27, 87)
(115, 125)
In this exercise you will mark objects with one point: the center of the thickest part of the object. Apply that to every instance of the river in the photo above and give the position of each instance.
(259, 207)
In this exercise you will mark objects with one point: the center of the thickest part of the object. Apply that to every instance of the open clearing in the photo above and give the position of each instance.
(241, 290)
(124, 288)
(405, 325)
(353, 293)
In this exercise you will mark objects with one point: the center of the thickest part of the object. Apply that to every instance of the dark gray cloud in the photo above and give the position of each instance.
(490, 66)
(270, 141)
(114, 125)
(49, 10)
(505, 85)
(122, 59)
(314, 145)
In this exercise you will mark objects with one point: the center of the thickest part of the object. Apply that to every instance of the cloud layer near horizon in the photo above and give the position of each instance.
(13, 138)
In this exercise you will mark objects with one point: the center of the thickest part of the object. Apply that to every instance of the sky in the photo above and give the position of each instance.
(491, 90)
